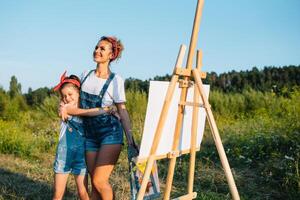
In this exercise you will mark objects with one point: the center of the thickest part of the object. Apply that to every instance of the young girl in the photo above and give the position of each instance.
(70, 154)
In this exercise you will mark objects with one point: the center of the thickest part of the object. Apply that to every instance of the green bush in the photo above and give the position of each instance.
(4, 100)
(50, 106)
(18, 141)
(11, 107)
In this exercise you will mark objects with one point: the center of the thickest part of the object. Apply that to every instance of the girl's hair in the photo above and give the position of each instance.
(70, 83)
(117, 46)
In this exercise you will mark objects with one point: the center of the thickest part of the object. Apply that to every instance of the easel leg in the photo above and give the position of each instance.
(194, 130)
(216, 136)
(176, 138)
(146, 177)
(193, 144)
(160, 125)
(170, 176)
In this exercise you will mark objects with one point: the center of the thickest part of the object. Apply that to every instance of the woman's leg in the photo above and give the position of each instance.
(106, 160)
(91, 157)
(81, 183)
(60, 181)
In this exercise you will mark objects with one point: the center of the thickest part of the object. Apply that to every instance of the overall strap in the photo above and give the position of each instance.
(105, 86)
(71, 125)
(86, 76)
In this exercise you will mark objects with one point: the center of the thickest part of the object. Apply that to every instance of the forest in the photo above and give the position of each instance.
(257, 112)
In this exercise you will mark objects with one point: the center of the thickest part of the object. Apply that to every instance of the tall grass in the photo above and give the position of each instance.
(137, 104)
(261, 135)
(30, 133)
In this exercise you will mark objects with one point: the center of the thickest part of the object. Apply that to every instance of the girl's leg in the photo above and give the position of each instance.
(106, 160)
(60, 181)
(81, 183)
(91, 157)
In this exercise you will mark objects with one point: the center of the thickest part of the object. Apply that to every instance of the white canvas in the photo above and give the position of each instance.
(157, 93)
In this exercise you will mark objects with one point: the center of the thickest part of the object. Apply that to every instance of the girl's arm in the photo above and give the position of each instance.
(125, 120)
(62, 112)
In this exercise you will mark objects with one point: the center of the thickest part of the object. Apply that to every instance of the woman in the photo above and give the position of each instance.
(104, 133)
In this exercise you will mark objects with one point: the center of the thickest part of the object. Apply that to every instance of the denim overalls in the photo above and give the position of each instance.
(70, 153)
(101, 129)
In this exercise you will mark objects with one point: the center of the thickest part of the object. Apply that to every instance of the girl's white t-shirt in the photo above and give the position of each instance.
(115, 92)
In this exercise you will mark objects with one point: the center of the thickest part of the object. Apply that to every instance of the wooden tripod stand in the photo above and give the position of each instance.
(185, 76)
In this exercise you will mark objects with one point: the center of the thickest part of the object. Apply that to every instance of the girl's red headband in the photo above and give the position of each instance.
(65, 79)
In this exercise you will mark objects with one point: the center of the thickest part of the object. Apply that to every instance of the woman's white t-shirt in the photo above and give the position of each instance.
(115, 92)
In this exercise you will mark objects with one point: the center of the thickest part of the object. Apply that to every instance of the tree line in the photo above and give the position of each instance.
(280, 80)
(276, 79)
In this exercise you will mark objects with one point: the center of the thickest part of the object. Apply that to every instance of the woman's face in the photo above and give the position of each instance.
(103, 52)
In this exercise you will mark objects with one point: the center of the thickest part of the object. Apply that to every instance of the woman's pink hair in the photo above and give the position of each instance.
(117, 46)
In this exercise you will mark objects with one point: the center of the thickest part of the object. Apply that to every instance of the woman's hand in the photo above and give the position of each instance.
(113, 111)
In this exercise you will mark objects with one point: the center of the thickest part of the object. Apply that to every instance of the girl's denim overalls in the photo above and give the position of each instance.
(70, 153)
(101, 129)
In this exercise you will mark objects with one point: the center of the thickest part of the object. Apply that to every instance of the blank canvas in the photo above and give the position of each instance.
(157, 93)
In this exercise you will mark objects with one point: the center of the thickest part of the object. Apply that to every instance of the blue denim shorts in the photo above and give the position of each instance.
(70, 153)
(70, 161)
(109, 131)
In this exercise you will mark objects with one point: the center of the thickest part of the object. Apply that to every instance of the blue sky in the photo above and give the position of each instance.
(41, 39)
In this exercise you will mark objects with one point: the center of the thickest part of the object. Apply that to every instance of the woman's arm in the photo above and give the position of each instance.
(68, 109)
(125, 120)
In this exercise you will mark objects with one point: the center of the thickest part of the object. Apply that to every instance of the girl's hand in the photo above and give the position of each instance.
(63, 112)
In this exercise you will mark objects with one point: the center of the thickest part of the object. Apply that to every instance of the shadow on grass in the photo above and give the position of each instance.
(18, 186)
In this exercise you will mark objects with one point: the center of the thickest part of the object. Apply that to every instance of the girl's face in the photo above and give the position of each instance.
(70, 95)
(103, 52)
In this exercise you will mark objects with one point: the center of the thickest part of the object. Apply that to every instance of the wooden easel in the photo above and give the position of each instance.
(184, 83)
